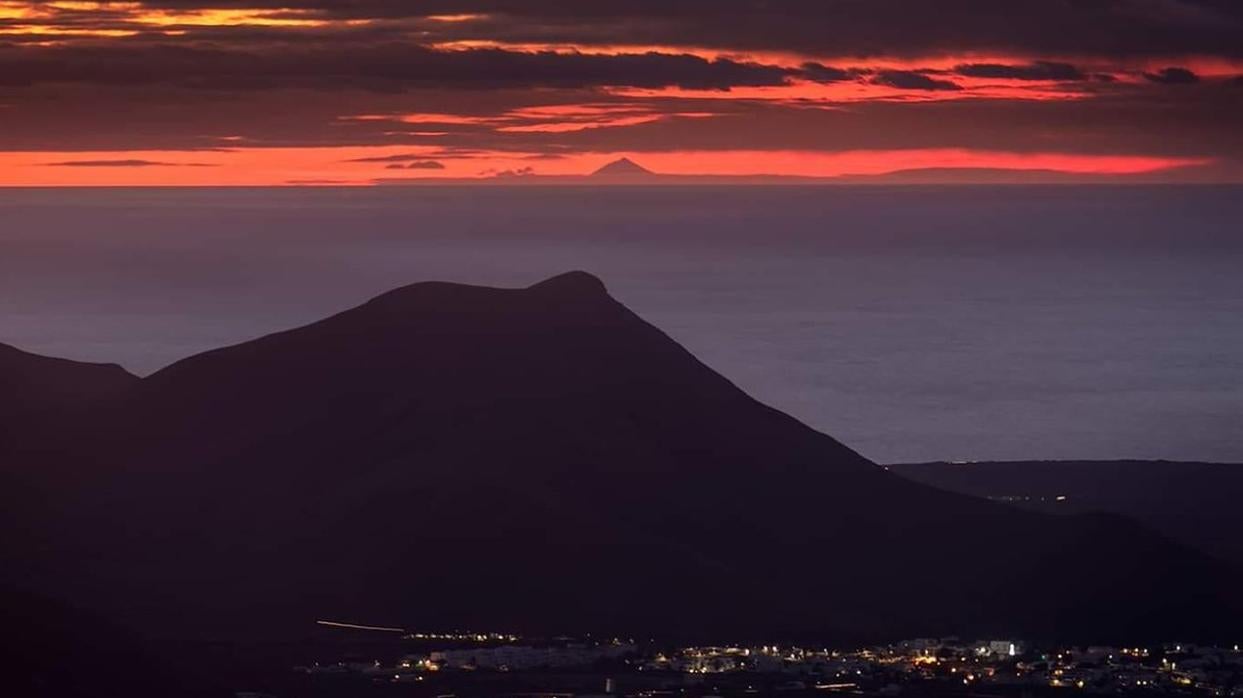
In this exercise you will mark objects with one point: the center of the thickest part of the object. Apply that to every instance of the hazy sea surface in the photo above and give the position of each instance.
(913, 323)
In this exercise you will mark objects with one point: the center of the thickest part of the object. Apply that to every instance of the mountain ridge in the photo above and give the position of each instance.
(542, 459)
(1193, 502)
(32, 382)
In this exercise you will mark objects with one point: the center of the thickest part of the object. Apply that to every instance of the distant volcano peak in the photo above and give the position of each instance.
(622, 167)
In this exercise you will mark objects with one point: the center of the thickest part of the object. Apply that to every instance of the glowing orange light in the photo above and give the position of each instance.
(341, 165)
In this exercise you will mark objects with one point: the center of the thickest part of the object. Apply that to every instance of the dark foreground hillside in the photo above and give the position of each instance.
(539, 459)
(51, 649)
(1197, 504)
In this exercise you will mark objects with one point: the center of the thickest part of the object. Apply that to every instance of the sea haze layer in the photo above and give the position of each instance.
(913, 323)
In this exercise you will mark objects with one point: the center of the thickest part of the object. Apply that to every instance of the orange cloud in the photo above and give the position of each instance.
(124, 19)
(566, 85)
(863, 90)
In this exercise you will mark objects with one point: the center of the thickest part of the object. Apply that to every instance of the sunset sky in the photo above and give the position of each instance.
(233, 92)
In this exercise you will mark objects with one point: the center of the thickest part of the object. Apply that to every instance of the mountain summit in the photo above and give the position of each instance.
(622, 167)
(542, 459)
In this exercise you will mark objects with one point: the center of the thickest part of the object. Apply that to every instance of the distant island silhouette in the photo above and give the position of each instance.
(625, 171)
(622, 167)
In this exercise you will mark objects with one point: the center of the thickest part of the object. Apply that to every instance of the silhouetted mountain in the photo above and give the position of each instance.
(31, 383)
(41, 399)
(543, 459)
(622, 167)
(51, 650)
(1193, 503)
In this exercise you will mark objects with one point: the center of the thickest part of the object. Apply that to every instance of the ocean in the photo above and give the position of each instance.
(912, 323)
